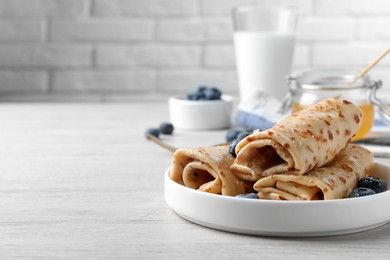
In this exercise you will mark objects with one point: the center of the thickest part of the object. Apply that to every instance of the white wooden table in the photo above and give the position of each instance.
(80, 181)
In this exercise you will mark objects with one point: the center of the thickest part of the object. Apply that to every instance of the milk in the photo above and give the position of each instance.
(264, 59)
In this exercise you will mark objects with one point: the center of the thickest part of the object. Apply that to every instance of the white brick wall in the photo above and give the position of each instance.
(161, 8)
(38, 56)
(161, 55)
(104, 81)
(108, 48)
(101, 30)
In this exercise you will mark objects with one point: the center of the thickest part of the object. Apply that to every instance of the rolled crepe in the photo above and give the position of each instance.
(207, 169)
(301, 142)
(333, 181)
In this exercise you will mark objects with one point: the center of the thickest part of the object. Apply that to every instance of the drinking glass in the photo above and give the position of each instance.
(264, 38)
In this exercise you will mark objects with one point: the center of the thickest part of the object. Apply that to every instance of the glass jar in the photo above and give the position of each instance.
(315, 85)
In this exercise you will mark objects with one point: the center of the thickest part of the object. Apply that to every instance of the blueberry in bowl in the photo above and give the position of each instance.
(205, 93)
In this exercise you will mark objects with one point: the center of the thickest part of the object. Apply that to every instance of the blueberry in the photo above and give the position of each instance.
(243, 134)
(205, 93)
(194, 96)
(152, 131)
(247, 196)
(201, 89)
(376, 184)
(212, 94)
(232, 134)
(360, 192)
(232, 147)
(166, 128)
(197, 94)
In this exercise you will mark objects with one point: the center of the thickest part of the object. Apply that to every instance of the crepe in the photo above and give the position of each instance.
(207, 169)
(301, 142)
(333, 181)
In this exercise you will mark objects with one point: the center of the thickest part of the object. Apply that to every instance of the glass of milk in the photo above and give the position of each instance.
(264, 39)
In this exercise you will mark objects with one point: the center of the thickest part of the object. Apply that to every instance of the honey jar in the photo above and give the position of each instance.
(315, 85)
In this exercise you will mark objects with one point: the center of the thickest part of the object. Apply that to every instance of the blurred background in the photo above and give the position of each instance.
(124, 50)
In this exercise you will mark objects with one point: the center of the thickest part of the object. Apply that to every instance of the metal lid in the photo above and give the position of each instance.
(330, 79)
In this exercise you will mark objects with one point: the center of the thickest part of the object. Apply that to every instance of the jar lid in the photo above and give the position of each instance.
(330, 79)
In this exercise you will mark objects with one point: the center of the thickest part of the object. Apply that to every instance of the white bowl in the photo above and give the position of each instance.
(280, 218)
(201, 114)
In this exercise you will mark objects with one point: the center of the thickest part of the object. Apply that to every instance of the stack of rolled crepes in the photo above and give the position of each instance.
(306, 156)
(208, 169)
(333, 181)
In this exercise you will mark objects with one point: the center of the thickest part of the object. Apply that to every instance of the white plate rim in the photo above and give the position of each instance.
(217, 214)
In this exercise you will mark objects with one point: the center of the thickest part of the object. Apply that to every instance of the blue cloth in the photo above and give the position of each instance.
(251, 121)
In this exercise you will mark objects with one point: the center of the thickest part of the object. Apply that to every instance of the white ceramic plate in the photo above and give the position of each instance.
(280, 218)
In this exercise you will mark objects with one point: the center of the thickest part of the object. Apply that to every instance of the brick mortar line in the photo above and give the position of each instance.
(45, 31)
(89, 8)
(49, 81)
